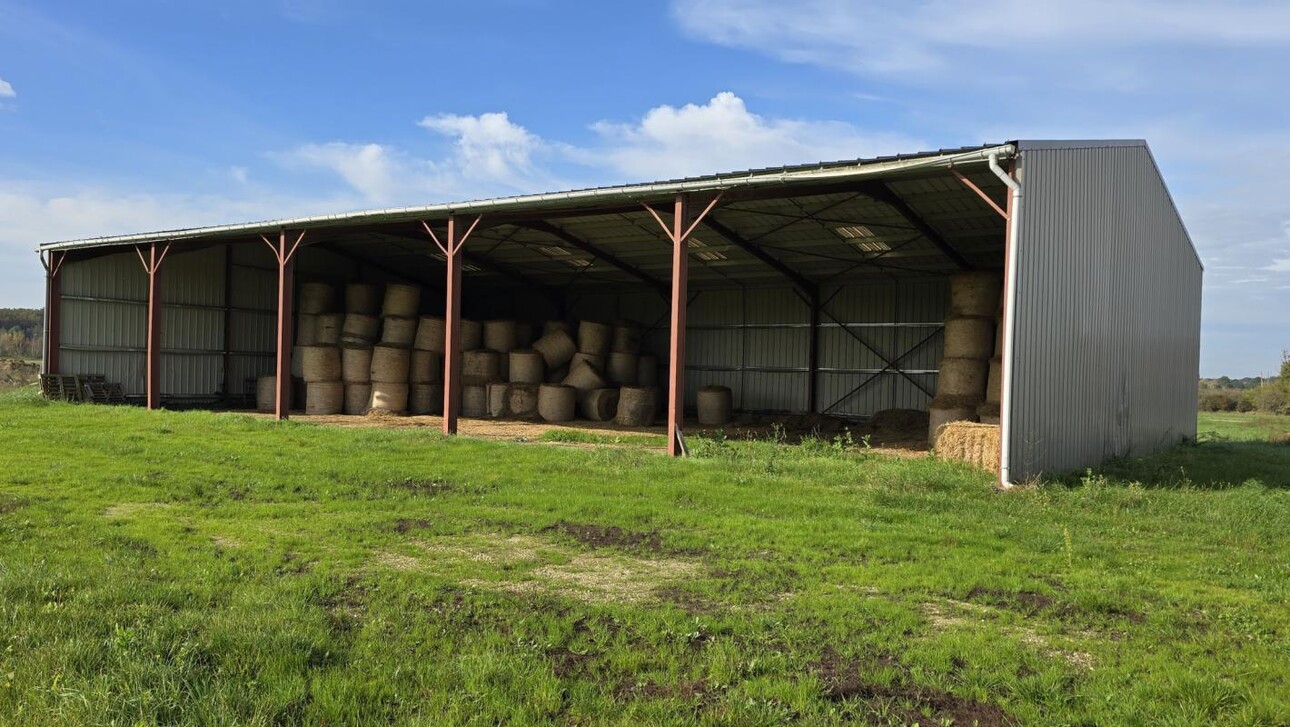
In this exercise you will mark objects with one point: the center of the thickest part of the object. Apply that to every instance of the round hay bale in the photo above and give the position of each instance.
(969, 337)
(266, 393)
(623, 368)
(481, 367)
(398, 331)
(556, 375)
(975, 444)
(499, 400)
(994, 381)
(316, 298)
(425, 367)
(962, 377)
(988, 412)
(306, 330)
(362, 298)
(356, 364)
(584, 378)
(599, 405)
(526, 367)
(474, 400)
(627, 337)
(553, 326)
(390, 365)
(975, 293)
(523, 334)
(360, 329)
(635, 406)
(556, 402)
(594, 337)
(596, 361)
(357, 398)
(425, 399)
(389, 396)
(472, 336)
(325, 397)
(430, 334)
(522, 401)
(501, 336)
(945, 409)
(320, 363)
(556, 347)
(328, 328)
(714, 404)
(402, 301)
(647, 370)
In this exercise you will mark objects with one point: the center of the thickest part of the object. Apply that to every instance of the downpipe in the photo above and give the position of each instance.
(1009, 324)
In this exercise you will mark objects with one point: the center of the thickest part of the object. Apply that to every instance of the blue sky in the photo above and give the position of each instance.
(145, 114)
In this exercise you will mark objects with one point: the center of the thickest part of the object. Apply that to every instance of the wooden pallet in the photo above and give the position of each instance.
(99, 392)
(59, 387)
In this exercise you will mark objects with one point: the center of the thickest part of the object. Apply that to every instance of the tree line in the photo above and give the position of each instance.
(1252, 394)
(21, 332)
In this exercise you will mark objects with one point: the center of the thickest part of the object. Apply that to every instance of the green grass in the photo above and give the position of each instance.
(194, 568)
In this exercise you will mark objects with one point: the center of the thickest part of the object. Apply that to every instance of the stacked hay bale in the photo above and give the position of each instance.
(975, 444)
(989, 411)
(359, 329)
(969, 339)
(315, 359)
(391, 367)
(425, 371)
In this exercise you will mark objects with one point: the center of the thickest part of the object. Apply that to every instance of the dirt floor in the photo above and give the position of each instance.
(16, 373)
(903, 434)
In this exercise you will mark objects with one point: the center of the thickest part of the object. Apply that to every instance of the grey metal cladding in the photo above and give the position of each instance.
(1107, 341)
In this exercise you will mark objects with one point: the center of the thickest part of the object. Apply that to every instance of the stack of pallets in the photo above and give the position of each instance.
(102, 392)
(59, 387)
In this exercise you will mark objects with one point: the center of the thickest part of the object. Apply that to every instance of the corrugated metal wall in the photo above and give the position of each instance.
(1108, 311)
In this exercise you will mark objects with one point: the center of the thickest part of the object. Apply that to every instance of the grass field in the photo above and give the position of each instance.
(194, 568)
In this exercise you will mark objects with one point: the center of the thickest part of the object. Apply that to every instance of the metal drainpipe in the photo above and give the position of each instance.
(1009, 324)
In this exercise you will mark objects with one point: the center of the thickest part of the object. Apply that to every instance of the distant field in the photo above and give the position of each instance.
(195, 568)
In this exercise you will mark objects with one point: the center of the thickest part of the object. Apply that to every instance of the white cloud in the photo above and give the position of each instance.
(370, 169)
(6, 90)
(925, 35)
(1280, 265)
(488, 146)
(723, 135)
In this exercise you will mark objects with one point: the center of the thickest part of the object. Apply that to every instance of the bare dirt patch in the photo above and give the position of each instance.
(223, 541)
(609, 536)
(404, 525)
(16, 373)
(949, 613)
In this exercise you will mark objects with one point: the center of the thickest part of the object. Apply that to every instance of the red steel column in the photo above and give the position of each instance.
(676, 354)
(52, 345)
(286, 300)
(452, 331)
(154, 329)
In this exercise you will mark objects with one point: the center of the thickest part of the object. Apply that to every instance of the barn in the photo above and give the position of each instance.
(825, 288)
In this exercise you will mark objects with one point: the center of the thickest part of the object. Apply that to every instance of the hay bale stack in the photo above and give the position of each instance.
(501, 336)
(994, 381)
(975, 293)
(356, 364)
(325, 397)
(357, 398)
(714, 404)
(425, 367)
(522, 401)
(969, 337)
(328, 328)
(998, 336)
(499, 400)
(558, 374)
(474, 400)
(975, 444)
(481, 367)
(360, 329)
(389, 397)
(647, 370)
(390, 365)
(297, 362)
(306, 330)
(964, 378)
(627, 337)
(556, 402)
(398, 331)
(316, 298)
(472, 336)
(401, 301)
(594, 337)
(623, 368)
(636, 406)
(556, 347)
(363, 298)
(597, 362)
(599, 405)
(584, 378)
(526, 367)
(425, 399)
(944, 410)
(266, 393)
(430, 334)
(320, 363)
